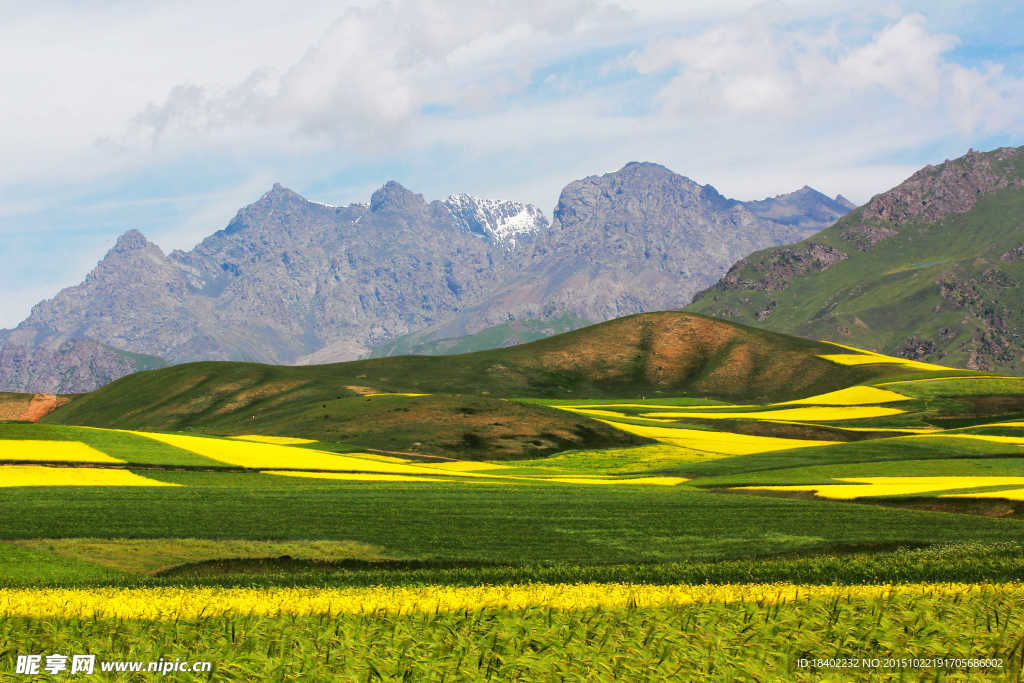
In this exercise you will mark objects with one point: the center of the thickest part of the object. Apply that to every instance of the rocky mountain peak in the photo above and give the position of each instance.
(394, 196)
(132, 240)
(843, 201)
(279, 194)
(507, 223)
(949, 188)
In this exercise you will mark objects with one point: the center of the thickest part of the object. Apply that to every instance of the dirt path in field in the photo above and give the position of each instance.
(42, 405)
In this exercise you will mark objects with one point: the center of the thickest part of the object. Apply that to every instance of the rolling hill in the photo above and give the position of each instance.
(931, 270)
(362, 402)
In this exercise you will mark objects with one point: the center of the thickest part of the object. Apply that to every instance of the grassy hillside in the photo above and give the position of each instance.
(945, 291)
(825, 515)
(652, 354)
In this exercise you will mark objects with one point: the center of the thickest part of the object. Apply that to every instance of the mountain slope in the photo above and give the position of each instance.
(294, 281)
(640, 239)
(286, 279)
(932, 270)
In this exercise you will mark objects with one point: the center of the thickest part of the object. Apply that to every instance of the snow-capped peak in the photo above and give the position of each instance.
(505, 222)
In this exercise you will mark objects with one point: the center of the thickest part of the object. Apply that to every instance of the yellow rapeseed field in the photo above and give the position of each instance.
(661, 407)
(51, 451)
(827, 413)
(850, 396)
(280, 440)
(465, 466)
(38, 475)
(994, 438)
(274, 456)
(395, 394)
(864, 357)
(1008, 494)
(863, 487)
(350, 476)
(728, 443)
(652, 481)
(197, 603)
(607, 413)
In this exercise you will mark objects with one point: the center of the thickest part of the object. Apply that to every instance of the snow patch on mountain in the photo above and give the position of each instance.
(507, 223)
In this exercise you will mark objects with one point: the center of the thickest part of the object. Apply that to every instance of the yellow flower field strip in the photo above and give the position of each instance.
(38, 475)
(993, 438)
(902, 430)
(1007, 494)
(279, 440)
(168, 604)
(720, 406)
(946, 379)
(484, 479)
(52, 451)
(382, 458)
(863, 487)
(609, 413)
(395, 394)
(267, 456)
(350, 476)
(827, 413)
(648, 481)
(850, 396)
(466, 466)
(864, 357)
(728, 443)
(1001, 424)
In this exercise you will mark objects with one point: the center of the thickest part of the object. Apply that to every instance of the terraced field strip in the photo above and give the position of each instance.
(279, 440)
(1006, 494)
(827, 413)
(609, 413)
(351, 476)
(727, 443)
(269, 456)
(946, 379)
(870, 487)
(850, 396)
(52, 451)
(39, 475)
(202, 603)
(275, 459)
(994, 438)
(865, 357)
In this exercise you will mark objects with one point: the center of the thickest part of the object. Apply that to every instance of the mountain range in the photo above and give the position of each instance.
(931, 270)
(297, 282)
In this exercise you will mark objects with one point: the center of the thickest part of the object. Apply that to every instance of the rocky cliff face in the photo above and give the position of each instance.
(640, 239)
(67, 366)
(294, 281)
(928, 270)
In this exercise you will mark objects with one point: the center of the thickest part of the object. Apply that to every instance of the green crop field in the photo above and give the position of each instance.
(641, 536)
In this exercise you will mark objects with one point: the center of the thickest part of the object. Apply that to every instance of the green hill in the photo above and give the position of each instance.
(651, 354)
(932, 270)
(433, 342)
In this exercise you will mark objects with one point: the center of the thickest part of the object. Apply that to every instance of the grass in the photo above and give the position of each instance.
(149, 555)
(224, 526)
(519, 523)
(764, 639)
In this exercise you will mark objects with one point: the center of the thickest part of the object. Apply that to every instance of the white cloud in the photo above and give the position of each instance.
(755, 98)
(365, 79)
(748, 69)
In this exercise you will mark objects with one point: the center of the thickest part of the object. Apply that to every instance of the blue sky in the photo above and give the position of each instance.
(168, 117)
